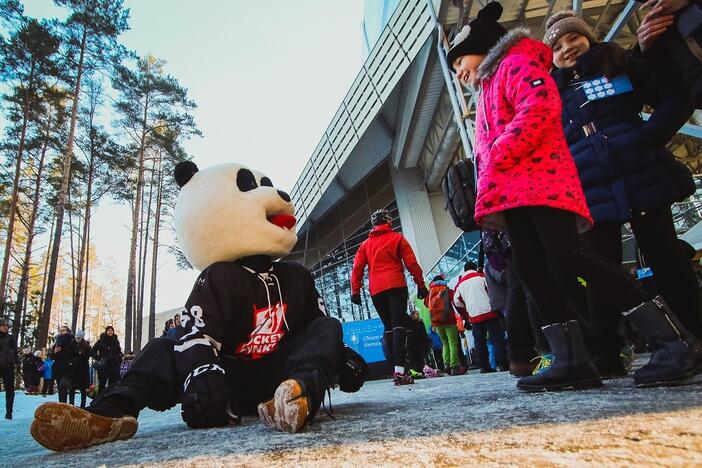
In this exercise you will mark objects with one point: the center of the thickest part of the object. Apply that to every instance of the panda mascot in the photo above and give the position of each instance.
(257, 338)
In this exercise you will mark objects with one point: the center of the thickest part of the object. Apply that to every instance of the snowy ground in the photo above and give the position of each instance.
(472, 419)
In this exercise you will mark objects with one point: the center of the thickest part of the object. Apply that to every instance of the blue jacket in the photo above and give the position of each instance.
(48, 369)
(623, 165)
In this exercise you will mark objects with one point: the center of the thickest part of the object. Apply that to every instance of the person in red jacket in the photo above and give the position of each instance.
(387, 254)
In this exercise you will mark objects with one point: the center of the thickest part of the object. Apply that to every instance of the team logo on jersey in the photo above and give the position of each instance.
(267, 332)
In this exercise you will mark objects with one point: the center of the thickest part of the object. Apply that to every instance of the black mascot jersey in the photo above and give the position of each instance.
(235, 313)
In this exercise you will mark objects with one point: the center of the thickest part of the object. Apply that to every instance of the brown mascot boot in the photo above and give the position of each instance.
(287, 410)
(60, 426)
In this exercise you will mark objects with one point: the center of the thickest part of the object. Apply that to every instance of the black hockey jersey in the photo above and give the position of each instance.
(234, 312)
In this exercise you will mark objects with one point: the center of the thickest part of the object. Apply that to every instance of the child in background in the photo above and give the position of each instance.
(443, 320)
(627, 173)
(528, 185)
(48, 375)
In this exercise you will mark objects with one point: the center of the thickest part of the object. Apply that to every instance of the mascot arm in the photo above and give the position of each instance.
(206, 393)
(203, 319)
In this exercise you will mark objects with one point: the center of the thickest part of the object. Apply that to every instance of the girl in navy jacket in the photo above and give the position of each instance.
(627, 173)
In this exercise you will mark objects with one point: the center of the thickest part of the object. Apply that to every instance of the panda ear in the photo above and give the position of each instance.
(183, 172)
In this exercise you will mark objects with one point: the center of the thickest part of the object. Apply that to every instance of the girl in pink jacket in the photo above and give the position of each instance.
(528, 185)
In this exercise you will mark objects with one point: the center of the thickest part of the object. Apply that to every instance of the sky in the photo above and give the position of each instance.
(267, 77)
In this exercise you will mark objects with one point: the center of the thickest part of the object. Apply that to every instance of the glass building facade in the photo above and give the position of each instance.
(332, 275)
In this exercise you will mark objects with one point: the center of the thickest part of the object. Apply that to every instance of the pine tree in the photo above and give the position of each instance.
(91, 33)
(150, 101)
(27, 67)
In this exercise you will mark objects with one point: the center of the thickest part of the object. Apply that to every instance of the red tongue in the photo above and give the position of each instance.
(283, 220)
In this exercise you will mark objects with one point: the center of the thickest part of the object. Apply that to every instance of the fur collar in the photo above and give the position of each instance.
(499, 50)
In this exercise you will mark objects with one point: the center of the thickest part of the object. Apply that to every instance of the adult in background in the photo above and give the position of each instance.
(177, 330)
(8, 360)
(472, 296)
(387, 254)
(670, 37)
(30, 372)
(168, 325)
(81, 367)
(107, 355)
(65, 350)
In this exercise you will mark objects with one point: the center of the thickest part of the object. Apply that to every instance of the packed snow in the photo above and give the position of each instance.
(476, 418)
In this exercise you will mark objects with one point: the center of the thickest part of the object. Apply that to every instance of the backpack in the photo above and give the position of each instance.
(440, 307)
(459, 194)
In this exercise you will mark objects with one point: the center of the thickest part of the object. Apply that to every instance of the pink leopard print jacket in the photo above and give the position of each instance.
(523, 158)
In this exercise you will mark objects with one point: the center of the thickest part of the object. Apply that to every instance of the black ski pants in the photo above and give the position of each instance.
(7, 374)
(65, 389)
(523, 322)
(391, 306)
(554, 265)
(673, 274)
(312, 356)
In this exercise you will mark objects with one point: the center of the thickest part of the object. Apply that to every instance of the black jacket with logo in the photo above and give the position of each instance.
(235, 313)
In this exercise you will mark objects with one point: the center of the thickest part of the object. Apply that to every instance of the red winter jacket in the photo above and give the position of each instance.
(384, 252)
(523, 158)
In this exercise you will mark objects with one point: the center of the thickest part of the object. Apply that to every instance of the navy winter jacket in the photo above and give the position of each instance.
(623, 164)
(671, 51)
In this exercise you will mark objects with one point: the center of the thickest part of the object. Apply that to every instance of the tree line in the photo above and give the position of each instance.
(86, 120)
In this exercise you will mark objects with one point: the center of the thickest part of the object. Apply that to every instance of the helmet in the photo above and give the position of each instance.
(381, 216)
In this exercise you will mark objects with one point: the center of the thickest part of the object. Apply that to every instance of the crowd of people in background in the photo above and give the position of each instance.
(70, 365)
(564, 159)
(65, 366)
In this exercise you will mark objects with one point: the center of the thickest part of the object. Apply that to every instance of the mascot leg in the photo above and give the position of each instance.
(311, 366)
(152, 381)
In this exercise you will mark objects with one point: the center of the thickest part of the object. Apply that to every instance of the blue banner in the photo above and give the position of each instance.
(364, 337)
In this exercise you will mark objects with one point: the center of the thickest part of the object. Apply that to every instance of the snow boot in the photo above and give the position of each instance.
(399, 378)
(571, 367)
(676, 354)
(289, 408)
(60, 426)
(487, 370)
(8, 415)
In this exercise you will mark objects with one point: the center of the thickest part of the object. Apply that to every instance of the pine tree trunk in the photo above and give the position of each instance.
(83, 243)
(87, 271)
(154, 258)
(63, 193)
(24, 279)
(46, 269)
(142, 274)
(15, 194)
(131, 274)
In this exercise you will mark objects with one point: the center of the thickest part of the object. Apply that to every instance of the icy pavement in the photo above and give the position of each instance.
(466, 420)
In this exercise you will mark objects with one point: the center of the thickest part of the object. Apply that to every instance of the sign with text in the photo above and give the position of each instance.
(364, 337)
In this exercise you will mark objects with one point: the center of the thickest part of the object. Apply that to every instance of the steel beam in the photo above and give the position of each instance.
(621, 21)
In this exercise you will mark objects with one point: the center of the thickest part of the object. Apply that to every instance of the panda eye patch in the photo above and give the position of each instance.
(265, 181)
(245, 180)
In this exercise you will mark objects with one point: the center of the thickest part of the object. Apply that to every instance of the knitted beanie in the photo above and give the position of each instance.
(477, 37)
(565, 22)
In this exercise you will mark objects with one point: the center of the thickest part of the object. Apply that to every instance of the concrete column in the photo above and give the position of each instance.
(416, 215)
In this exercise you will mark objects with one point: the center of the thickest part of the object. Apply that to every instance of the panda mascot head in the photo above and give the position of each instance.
(228, 212)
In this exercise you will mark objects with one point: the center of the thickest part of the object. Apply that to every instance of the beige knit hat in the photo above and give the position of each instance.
(565, 22)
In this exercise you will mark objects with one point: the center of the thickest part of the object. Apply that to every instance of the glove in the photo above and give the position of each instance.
(356, 299)
(207, 401)
(422, 292)
(353, 372)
